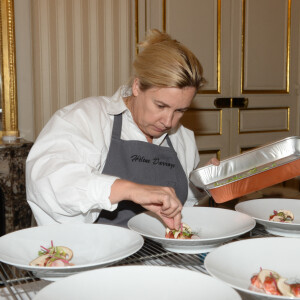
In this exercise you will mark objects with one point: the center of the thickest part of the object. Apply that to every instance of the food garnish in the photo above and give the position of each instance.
(271, 283)
(282, 215)
(244, 175)
(58, 256)
(184, 232)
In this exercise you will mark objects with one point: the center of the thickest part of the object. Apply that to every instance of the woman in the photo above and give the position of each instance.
(105, 159)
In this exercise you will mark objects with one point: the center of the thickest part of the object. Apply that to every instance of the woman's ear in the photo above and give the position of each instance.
(135, 87)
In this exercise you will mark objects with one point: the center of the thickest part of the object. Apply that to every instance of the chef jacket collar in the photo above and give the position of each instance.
(117, 106)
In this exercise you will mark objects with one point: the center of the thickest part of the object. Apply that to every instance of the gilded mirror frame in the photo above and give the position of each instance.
(8, 70)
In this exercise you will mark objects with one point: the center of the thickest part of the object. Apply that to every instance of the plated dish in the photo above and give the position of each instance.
(237, 262)
(138, 282)
(271, 283)
(93, 246)
(213, 226)
(262, 209)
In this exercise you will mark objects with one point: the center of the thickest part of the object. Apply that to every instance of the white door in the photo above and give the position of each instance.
(249, 50)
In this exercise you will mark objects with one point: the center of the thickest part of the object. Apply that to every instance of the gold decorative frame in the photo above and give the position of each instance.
(218, 90)
(8, 69)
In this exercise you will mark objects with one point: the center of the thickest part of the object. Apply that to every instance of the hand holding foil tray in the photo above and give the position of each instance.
(250, 171)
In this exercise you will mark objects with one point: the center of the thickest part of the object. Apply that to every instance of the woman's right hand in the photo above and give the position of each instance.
(158, 199)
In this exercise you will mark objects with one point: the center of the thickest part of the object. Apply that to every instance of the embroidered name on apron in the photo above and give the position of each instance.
(154, 161)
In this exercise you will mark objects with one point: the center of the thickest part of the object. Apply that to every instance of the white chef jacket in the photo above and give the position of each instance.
(64, 180)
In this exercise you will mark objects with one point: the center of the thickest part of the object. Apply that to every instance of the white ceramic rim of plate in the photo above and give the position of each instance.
(77, 268)
(197, 245)
(191, 241)
(293, 224)
(259, 295)
(194, 241)
(272, 222)
(141, 269)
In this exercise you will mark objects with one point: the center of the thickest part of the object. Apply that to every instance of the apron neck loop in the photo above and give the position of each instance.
(169, 142)
(117, 127)
(116, 132)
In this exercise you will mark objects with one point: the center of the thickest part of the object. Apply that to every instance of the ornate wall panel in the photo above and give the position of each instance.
(274, 119)
(266, 46)
(202, 21)
(203, 121)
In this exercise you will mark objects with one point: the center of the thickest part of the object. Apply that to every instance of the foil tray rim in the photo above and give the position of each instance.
(195, 174)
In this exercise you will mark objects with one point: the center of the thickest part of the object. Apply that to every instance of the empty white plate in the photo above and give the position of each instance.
(214, 226)
(93, 246)
(235, 263)
(261, 209)
(138, 282)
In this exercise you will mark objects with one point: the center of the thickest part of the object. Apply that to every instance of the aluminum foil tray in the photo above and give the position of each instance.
(250, 171)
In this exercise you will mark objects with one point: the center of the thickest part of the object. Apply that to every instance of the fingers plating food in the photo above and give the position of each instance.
(58, 256)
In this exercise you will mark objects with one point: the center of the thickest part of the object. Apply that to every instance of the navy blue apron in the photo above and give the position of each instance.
(143, 163)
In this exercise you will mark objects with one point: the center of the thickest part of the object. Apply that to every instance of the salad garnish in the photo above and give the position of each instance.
(282, 215)
(270, 282)
(184, 232)
(53, 256)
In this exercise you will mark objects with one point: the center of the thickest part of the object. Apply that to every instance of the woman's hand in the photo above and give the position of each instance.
(213, 161)
(158, 199)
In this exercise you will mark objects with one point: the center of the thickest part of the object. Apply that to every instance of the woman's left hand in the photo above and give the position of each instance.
(213, 161)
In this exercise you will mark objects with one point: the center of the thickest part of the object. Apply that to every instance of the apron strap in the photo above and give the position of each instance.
(116, 132)
(169, 142)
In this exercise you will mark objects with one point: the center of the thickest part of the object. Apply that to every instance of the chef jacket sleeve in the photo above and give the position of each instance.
(64, 182)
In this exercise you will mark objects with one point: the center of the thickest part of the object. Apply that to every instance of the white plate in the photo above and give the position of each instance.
(214, 226)
(235, 263)
(93, 245)
(261, 209)
(138, 282)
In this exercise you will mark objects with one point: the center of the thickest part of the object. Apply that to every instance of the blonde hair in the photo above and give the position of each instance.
(165, 62)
